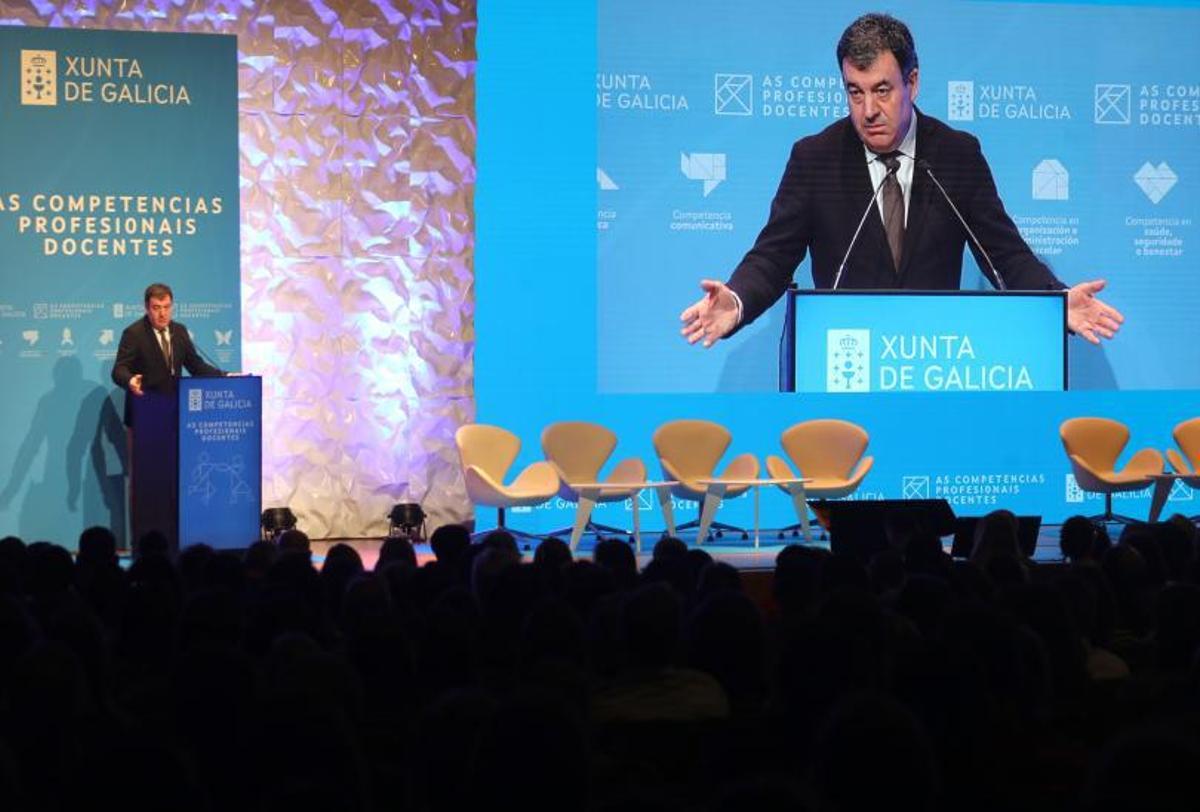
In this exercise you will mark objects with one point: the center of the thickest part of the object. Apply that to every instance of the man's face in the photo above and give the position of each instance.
(158, 310)
(881, 102)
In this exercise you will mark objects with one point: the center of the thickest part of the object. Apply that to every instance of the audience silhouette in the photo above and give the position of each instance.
(258, 681)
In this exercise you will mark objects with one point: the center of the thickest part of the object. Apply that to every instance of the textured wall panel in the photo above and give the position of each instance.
(357, 134)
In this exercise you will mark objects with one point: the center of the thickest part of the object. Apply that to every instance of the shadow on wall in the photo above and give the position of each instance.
(82, 470)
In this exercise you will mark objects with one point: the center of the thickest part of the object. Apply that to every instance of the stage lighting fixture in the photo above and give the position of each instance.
(276, 520)
(409, 519)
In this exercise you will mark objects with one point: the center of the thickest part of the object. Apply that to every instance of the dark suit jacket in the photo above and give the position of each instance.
(824, 190)
(139, 353)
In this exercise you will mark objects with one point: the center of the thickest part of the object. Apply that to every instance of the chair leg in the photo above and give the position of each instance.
(1114, 518)
(604, 528)
(795, 530)
(722, 528)
(708, 509)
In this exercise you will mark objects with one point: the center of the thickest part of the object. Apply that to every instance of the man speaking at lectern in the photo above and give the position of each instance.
(873, 198)
(154, 351)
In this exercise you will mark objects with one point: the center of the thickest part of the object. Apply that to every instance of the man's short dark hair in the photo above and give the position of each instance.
(158, 291)
(870, 35)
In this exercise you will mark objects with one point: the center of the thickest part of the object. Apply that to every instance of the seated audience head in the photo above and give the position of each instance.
(488, 567)
(294, 541)
(259, 558)
(797, 583)
(501, 540)
(97, 547)
(1144, 539)
(153, 543)
(342, 561)
(14, 560)
(995, 537)
(552, 552)
(1077, 539)
(449, 542)
(618, 558)
(718, 577)
(396, 549)
(669, 548)
(51, 570)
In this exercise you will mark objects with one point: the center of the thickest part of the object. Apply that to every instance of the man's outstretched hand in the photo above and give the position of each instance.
(1088, 316)
(713, 317)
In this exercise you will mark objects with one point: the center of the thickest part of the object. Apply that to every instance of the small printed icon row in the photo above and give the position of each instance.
(107, 337)
(1050, 179)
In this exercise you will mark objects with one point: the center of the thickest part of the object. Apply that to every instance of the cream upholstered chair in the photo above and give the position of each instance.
(486, 453)
(829, 453)
(1093, 445)
(1187, 464)
(689, 451)
(578, 450)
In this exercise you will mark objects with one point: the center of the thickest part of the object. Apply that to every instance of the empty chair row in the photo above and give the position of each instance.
(824, 458)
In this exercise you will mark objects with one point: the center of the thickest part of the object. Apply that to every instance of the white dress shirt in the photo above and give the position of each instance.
(907, 157)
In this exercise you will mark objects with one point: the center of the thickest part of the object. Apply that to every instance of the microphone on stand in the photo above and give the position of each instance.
(861, 221)
(996, 278)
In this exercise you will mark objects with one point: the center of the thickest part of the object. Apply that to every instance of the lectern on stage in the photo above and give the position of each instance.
(197, 462)
(850, 341)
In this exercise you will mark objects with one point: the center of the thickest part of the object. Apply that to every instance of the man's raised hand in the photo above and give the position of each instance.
(713, 317)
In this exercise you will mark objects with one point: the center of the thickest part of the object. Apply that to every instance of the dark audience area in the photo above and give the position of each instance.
(492, 679)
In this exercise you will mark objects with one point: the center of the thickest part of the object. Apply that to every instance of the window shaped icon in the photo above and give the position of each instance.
(1051, 181)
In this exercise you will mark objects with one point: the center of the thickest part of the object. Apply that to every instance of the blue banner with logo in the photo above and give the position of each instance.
(847, 342)
(120, 169)
(220, 461)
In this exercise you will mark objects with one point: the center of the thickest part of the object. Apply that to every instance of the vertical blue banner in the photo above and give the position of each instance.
(120, 168)
(220, 461)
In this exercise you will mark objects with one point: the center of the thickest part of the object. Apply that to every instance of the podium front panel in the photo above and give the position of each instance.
(906, 341)
(220, 461)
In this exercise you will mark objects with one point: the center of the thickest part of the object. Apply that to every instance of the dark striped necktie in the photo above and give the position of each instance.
(893, 207)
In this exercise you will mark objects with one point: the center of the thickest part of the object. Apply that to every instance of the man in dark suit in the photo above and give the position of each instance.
(911, 237)
(155, 350)
(152, 355)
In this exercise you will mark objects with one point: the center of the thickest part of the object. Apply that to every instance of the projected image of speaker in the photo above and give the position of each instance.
(1028, 528)
(859, 528)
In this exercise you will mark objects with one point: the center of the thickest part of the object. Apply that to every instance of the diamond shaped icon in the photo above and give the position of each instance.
(1180, 492)
(1155, 181)
(914, 487)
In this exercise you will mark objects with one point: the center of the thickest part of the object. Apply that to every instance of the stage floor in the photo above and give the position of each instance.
(731, 549)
